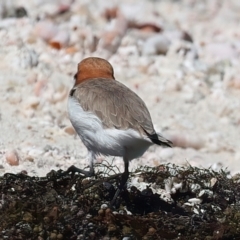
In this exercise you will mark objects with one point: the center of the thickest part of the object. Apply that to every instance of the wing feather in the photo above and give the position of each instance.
(115, 104)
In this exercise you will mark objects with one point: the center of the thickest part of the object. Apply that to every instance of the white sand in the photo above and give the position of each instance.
(195, 102)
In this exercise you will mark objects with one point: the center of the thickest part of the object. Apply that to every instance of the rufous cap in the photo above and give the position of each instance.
(94, 67)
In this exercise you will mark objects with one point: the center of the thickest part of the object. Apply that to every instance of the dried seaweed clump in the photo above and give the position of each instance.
(165, 202)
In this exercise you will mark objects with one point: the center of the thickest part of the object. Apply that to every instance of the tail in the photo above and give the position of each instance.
(159, 139)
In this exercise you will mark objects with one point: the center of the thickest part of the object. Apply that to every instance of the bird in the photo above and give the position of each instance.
(109, 118)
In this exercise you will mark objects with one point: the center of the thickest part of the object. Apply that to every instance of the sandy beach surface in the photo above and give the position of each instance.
(180, 57)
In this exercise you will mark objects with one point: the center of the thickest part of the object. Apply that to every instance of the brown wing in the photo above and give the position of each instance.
(115, 104)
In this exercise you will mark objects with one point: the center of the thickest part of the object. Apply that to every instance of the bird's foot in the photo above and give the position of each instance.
(74, 170)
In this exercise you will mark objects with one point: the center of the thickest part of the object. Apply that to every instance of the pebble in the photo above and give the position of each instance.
(213, 182)
(35, 152)
(32, 102)
(158, 44)
(29, 158)
(104, 206)
(60, 40)
(70, 130)
(46, 30)
(12, 158)
(195, 201)
(151, 230)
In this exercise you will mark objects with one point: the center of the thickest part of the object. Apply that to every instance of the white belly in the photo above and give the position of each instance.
(114, 142)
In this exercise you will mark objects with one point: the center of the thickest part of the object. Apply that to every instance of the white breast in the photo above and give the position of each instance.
(100, 140)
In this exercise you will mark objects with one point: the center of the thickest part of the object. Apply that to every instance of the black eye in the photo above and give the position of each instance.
(75, 77)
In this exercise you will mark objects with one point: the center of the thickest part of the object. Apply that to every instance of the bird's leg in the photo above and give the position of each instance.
(125, 175)
(89, 173)
(124, 179)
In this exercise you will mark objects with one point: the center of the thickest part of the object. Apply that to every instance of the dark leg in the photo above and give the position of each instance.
(125, 175)
(74, 169)
(124, 179)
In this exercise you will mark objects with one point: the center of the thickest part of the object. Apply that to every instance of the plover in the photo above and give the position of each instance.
(109, 118)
